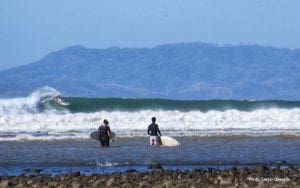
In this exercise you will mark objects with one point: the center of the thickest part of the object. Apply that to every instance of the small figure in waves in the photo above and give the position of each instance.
(59, 100)
(105, 134)
(153, 131)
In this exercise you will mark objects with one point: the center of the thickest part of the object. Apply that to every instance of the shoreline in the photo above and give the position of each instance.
(196, 136)
(20, 170)
(260, 175)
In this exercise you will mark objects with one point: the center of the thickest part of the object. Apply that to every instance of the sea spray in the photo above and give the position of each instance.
(30, 104)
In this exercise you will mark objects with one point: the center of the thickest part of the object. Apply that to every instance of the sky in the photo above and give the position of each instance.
(30, 29)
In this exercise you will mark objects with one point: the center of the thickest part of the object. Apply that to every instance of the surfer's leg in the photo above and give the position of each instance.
(152, 140)
(107, 142)
(155, 141)
(102, 143)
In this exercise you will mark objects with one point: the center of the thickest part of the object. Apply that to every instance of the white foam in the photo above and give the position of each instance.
(78, 125)
(27, 104)
(21, 119)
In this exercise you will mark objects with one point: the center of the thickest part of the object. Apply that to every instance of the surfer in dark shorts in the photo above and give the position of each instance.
(153, 131)
(105, 134)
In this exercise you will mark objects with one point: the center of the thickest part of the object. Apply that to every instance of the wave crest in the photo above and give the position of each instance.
(36, 102)
(173, 123)
(39, 117)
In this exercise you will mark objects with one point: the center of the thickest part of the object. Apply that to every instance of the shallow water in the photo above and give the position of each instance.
(64, 156)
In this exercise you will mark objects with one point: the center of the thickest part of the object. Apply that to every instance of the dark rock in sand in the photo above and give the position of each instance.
(292, 168)
(211, 170)
(33, 170)
(197, 170)
(261, 168)
(155, 165)
(233, 171)
(279, 164)
(131, 171)
(75, 174)
(245, 170)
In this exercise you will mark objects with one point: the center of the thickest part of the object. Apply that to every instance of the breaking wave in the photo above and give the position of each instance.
(39, 116)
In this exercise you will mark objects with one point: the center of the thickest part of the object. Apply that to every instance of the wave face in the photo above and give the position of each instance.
(40, 116)
(111, 104)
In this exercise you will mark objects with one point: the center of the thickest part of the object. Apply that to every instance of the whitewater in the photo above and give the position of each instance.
(38, 117)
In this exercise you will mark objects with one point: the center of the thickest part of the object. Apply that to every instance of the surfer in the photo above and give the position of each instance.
(57, 98)
(152, 131)
(105, 134)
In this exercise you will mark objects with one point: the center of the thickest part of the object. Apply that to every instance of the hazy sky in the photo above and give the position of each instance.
(29, 29)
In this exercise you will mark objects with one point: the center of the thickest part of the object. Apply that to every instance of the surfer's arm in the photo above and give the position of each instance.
(148, 130)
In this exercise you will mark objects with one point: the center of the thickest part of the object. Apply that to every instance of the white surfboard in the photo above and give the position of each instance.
(168, 141)
(58, 100)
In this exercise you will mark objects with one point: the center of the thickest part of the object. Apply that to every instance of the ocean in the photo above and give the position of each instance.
(38, 131)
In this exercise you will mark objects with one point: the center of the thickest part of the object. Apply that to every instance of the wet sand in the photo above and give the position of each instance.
(261, 176)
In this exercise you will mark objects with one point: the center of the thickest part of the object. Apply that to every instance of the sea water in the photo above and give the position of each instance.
(37, 131)
(86, 156)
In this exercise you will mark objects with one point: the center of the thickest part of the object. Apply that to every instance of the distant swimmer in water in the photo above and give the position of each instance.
(153, 131)
(59, 100)
(105, 134)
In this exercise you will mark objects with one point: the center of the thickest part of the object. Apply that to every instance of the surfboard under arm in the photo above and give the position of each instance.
(95, 135)
(168, 141)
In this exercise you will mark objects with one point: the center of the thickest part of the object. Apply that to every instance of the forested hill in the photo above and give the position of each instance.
(173, 71)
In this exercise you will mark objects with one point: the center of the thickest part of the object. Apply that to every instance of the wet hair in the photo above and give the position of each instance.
(153, 119)
(105, 122)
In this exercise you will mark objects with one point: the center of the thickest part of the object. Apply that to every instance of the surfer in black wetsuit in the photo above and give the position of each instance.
(105, 134)
(152, 131)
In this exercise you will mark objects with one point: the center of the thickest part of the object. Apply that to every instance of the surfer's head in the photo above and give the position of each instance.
(153, 119)
(105, 122)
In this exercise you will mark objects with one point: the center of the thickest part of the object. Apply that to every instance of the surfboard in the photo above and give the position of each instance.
(60, 101)
(95, 135)
(168, 141)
